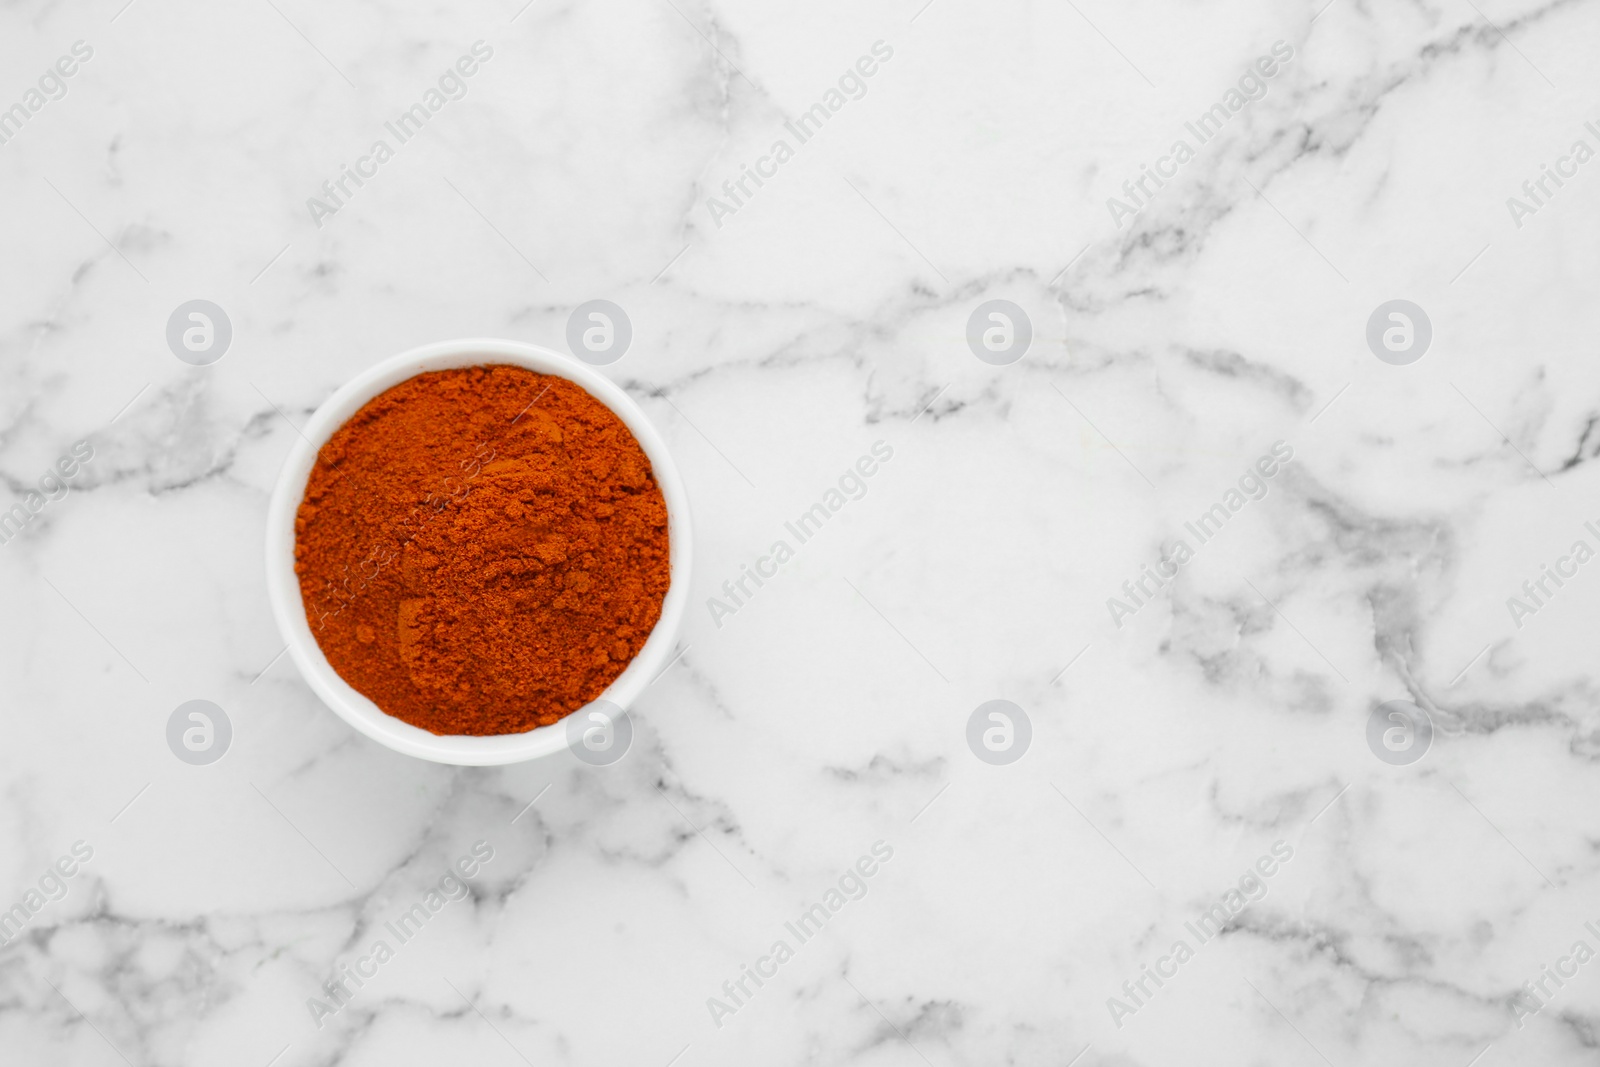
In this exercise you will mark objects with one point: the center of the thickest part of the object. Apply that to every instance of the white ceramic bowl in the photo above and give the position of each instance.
(284, 588)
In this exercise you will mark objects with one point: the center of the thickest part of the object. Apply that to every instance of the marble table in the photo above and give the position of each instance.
(1231, 381)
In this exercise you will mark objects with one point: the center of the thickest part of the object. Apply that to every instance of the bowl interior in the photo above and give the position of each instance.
(284, 588)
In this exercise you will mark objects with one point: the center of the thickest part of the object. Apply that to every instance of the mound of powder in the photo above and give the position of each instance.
(482, 550)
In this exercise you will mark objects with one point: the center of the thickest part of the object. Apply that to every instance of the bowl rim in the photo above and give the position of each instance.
(283, 587)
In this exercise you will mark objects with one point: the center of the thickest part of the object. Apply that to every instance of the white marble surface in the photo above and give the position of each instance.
(826, 313)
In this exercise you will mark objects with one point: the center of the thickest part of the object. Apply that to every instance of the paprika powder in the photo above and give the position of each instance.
(482, 550)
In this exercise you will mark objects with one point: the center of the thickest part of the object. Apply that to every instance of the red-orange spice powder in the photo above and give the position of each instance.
(482, 550)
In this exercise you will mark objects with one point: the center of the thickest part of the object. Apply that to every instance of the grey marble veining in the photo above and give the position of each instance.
(1199, 771)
